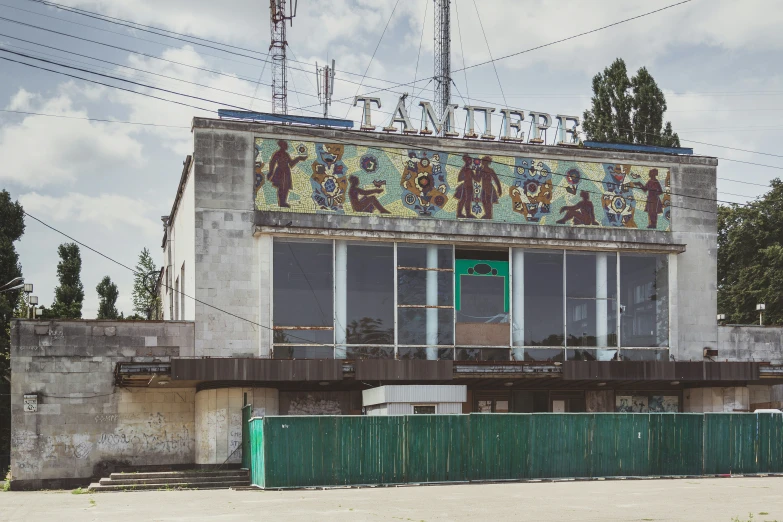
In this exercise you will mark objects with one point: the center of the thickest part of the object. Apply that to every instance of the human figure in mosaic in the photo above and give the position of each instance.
(363, 200)
(280, 165)
(490, 186)
(653, 206)
(582, 213)
(464, 191)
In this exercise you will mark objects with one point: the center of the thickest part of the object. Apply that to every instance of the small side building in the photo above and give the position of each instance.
(415, 400)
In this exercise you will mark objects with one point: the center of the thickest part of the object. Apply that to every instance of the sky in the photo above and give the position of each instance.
(107, 183)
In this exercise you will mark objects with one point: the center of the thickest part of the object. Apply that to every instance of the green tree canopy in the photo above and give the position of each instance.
(107, 302)
(11, 230)
(145, 299)
(69, 294)
(750, 258)
(628, 110)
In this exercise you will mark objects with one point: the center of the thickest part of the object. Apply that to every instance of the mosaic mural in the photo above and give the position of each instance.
(310, 177)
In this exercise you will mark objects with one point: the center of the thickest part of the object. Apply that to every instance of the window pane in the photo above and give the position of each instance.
(303, 336)
(443, 354)
(370, 317)
(424, 410)
(645, 355)
(369, 352)
(416, 256)
(543, 299)
(303, 352)
(412, 325)
(591, 308)
(302, 283)
(412, 287)
(482, 299)
(644, 283)
(543, 354)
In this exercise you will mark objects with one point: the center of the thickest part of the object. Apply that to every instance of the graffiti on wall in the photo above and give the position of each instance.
(315, 177)
(647, 404)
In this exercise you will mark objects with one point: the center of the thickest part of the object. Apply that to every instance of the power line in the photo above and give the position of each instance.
(421, 40)
(373, 53)
(135, 272)
(462, 52)
(481, 24)
(575, 36)
(238, 107)
(94, 119)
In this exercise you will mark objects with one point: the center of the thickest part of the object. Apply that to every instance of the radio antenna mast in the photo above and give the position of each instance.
(324, 77)
(278, 15)
(442, 59)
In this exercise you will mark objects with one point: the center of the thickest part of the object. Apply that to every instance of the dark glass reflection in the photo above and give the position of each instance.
(443, 354)
(644, 283)
(412, 326)
(412, 287)
(543, 299)
(370, 294)
(303, 352)
(416, 256)
(482, 299)
(302, 283)
(645, 355)
(582, 302)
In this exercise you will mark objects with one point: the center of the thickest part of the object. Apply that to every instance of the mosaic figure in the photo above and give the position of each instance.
(531, 194)
(328, 181)
(573, 177)
(258, 173)
(667, 197)
(424, 184)
(653, 206)
(279, 175)
(617, 200)
(464, 191)
(580, 214)
(490, 187)
(363, 200)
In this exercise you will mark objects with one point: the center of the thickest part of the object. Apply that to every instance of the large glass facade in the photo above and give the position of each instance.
(352, 300)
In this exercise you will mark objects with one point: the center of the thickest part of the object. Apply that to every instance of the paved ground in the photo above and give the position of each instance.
(712, 500)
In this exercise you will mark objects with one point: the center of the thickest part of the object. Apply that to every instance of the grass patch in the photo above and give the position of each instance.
(92, 502)
(79, 491)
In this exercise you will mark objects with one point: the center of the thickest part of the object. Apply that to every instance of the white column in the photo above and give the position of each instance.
(518, 303)
(432, 300)
(601, 302)
(340, 297)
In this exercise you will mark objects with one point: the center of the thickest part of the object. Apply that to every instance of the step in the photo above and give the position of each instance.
(98, 488)
(180, 474)
(131, 480)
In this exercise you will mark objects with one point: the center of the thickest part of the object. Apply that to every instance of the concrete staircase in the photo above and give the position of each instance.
(192, 479)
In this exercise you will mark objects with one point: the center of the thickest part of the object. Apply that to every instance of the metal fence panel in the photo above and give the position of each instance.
(499, 446)
(438, 448)
(255, 430)
(676, 443)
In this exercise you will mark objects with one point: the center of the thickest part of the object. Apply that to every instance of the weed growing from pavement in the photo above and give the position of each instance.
(79, 491)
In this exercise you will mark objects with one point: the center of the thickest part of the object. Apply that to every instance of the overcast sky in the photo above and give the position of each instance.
(107, 184)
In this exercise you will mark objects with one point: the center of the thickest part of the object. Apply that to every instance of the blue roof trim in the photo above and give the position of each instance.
(630, 147)
(277, 118)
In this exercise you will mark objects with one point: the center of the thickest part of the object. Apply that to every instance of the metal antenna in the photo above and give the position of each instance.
(277, 19)
(442, 59)
(325, 86)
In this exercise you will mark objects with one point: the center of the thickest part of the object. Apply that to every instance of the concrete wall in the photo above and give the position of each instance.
(219, 421)
(601, 401)
(693, 274)
(226, 253)
(705, 400)
(85, 425)
(750, 343)
(320, 403)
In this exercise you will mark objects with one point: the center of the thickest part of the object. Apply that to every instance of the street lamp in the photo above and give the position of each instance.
(14, 284)
(721, 317)
(760, 309)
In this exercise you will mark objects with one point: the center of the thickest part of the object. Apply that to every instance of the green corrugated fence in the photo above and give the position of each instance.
(290, 452)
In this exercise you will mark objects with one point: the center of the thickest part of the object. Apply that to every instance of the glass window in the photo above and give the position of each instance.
(302, 285)
(370, 296)
(644, 284)
(482, 299)
(424, 410)
(543, 298)
(591, 299)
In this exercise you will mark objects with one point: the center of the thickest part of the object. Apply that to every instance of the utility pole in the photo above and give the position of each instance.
(442, 59)
(325, 86)
(277, 19)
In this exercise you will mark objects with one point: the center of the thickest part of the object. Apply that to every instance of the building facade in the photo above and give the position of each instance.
(308, 265)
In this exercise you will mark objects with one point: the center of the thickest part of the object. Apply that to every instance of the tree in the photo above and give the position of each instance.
(11, 230)
(750, 258)
(107, 304)
(628, 110)
(145, 299)
(69, 294)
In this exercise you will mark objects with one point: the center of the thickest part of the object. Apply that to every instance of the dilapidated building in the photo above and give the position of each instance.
(304, 265)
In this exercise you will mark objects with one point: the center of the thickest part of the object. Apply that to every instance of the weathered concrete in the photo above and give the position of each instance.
(714, 400)
(697, 500)
(219, 421)
(85, 425)
(750, 343)
(599, 401)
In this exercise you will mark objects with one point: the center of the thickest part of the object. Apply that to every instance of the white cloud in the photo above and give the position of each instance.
(41, 151)
(106, 210)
